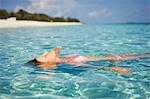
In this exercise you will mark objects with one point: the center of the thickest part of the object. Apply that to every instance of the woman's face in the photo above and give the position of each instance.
(46, 57)
(49, 56)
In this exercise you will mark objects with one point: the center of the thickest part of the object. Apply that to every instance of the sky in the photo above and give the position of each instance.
(87, 11)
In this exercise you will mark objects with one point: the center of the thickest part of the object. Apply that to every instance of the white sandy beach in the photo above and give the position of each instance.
(24, 23)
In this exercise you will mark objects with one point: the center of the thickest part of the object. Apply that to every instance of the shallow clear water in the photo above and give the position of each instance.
(21, 80)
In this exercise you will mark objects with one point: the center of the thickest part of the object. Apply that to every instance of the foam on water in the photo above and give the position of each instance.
(21, 80)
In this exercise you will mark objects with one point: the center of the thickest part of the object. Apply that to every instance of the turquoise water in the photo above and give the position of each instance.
(21, 80)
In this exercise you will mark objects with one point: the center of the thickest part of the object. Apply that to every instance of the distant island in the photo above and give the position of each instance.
(24, 15)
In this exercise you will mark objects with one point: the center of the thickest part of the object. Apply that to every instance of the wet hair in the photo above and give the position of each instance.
(33, 61)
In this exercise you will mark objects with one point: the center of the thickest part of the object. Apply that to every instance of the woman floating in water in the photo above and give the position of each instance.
(51, 58)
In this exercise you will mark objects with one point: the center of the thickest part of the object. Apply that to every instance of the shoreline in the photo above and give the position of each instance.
(27, 23)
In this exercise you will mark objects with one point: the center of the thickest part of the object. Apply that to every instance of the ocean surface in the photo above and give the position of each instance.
(18, 79)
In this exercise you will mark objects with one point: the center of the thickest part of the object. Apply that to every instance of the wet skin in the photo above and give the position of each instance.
(51, 58)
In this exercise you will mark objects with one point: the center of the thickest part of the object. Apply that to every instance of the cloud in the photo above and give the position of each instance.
(100, 13)
(93, 14)
(18, 8)
(51, 7)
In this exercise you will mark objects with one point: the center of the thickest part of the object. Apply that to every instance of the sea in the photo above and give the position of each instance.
(21, 80)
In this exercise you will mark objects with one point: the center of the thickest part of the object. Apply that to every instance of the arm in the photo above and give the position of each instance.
(116, 69)
(128, 56)
(117, 57)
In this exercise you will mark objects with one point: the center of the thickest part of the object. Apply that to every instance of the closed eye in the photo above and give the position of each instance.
(44, 56)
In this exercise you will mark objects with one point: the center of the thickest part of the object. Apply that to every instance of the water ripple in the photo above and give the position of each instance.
(21, 80)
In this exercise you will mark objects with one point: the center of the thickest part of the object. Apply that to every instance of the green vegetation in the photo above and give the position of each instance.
(3, 14)
(24, 15)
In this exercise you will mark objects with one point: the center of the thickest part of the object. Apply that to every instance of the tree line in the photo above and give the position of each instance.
(24, 15)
